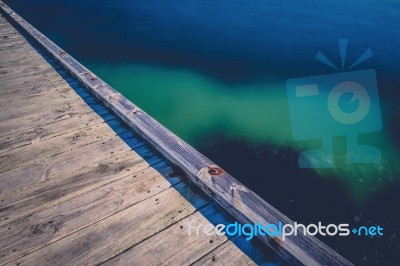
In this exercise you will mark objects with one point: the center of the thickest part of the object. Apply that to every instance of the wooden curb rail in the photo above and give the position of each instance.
(238, 200)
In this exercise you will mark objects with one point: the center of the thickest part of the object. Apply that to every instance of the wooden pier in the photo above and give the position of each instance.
(86, 177)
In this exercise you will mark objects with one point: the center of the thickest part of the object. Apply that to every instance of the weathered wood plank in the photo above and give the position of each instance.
(42, 133)
(173, 246)
(71, 184)
(6, 29)
(32, 87)
(96, 170)
(42, 118)
(4, 21)
(21, 99)
(12, 43)
(21, 68)
(27, 69)
(19, 42)
(11, 160)
(36, 172)
(10, 46)
(57, 103)
(239, 251)
(10, 38)
(60, 95)
(20, 74)
(102, 240)
(30, 56)
(21, 78)
(226, 254)
(5, 36)
(21, 237)
(15, 52)
(18, 80)
(6, 65)
(5, 25)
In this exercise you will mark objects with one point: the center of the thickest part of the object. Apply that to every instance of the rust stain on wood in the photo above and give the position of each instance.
(215, 170)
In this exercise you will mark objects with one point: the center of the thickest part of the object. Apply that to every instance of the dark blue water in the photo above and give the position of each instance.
(205, 69)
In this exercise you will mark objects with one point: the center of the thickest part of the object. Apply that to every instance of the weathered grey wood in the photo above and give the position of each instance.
(173, 246)
(102, 240)
(55, 104)
(7, 61)
(20, 99)
(78, 139)
(42, 133)
(69, 185)
(227, 191)
(24, 79)
(31, 69)
(32, 87)
(226, 254)
(17, 68)
(7, 80)
(42, 118)
(12, 43)
(9, 46)
(7, 30)
(37, 172)
(10, 38)
(15, 52)
(8, 65)
(5, 36)
(20, 237)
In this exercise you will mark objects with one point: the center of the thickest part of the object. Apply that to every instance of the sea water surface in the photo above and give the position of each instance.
(215, 72)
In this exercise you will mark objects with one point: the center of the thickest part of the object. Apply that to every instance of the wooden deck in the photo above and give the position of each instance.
(78, 187)
(86, 177)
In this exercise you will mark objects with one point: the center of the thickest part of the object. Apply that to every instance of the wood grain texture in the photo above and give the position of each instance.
(77, 139)
(226, 254)
(32, 87)
(174, 245)
(10, 38)
(20, 100)
(26, 110)
(23, 236)
(41, 171)
(111, 236)
(43, 117)
(42, 133)
(21, 82)
(64, 187)
(108, 237)
(28, 57)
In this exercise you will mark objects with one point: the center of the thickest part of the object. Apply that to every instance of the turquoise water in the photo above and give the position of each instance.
(193, 106)
(215, 73)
